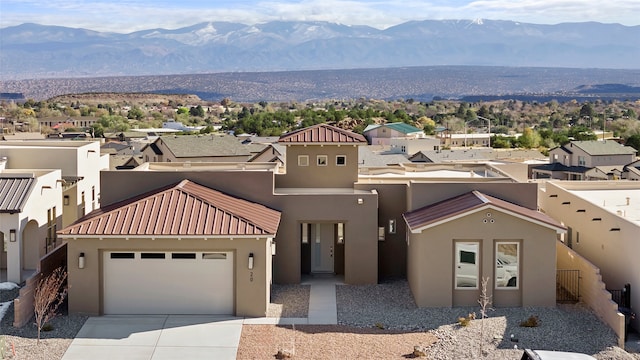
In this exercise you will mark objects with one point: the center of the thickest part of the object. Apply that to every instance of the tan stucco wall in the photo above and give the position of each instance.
(251, 297)
(613, 252)
(592, 289)
(431, 261)
(392, 203)
(330, 176)
(427, 193)
(361, 241)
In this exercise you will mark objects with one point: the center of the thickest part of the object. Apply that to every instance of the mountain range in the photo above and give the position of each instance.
(31, 51)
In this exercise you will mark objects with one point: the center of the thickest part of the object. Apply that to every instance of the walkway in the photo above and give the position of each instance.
(322, 304)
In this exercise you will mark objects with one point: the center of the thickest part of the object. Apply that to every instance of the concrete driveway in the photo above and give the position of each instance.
(157, 337)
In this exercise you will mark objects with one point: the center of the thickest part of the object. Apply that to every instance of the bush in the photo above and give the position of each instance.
(532, 321)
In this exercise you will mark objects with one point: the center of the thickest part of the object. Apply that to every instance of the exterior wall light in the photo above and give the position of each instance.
(12, 235)
(250, 261)
(360, 201)
(81, 261)
(66, 200)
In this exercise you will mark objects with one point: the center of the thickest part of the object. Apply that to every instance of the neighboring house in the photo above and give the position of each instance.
(124, 136)
(467, 140)
(62, 122)
(45, 185)
(381, 134)
(476, 155)
(116, 148)
(632, 171)
(603, 221)
(410, 146)
(79, 161)
(124, 162)
(273, 153)
(369, 156)
(30, 209)
(196, 148)
(574, 160)
(334, 217)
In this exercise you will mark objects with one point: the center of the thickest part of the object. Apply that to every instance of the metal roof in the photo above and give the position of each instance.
(184, 209)
(14, 192)
(458, 206)
(322, 133)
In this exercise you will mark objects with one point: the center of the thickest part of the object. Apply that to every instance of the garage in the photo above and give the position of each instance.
(168, 282)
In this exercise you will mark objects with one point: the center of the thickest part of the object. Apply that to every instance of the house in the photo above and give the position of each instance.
(574, 160)
(46, 185)
(494, 239)
(381, 134)
(196, 148)
(410, 146)
(603, 224)
(324, 214)
(62, 122)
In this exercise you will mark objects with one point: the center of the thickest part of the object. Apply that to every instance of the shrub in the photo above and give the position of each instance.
(532, 321)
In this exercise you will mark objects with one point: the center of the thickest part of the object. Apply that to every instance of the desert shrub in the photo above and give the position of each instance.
(532, 321)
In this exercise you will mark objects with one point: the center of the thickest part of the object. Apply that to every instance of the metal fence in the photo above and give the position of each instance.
(568, 286)
(622, 297)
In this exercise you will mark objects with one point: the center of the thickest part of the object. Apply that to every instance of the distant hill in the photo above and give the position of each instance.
(419, 83)
(37, 51)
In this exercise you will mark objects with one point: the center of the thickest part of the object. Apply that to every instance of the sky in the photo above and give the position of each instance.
(125, 16)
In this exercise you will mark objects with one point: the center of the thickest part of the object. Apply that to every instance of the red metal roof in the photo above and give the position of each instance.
(459, 205)
(322, 133)
(185, 209)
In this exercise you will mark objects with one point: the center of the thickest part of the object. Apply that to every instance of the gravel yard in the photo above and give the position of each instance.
(363, 309)
(21, 343)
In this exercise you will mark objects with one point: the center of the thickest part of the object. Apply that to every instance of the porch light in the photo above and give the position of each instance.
(81, 261)
(12, 235)
(250, 261)
(66, 200)
(360, 201)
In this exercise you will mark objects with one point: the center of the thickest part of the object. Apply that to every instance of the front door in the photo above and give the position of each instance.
(322, 236)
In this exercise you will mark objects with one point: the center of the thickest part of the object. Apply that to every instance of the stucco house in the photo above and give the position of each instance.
(575, 160)
(381, 134)
(322, 215)
(46, 185)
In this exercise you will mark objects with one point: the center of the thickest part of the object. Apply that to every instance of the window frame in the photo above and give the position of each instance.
(303, 160)
(322, 160)
(457, 261)
(518, 245)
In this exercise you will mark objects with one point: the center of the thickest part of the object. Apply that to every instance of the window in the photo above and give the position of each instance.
(392, 226)
(507, 265)
(403, 149)
(214, 256)
(322, 160)
(303, 160)
(304, 229)
(122, 255)
(340, 232)
(581, 161)
(152, 256)
(341, 160)
(466, 265)
(183, 255)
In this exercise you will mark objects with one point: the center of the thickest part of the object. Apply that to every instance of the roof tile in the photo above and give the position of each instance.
(322, 133)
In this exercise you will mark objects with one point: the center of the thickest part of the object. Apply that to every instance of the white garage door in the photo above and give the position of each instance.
(138, 282)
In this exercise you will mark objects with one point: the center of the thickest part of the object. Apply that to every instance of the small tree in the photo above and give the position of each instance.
(49, 294)
(485, 305)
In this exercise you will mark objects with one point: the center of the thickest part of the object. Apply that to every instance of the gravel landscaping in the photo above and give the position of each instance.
(22, 343)
(381, 322)
(290, 301)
